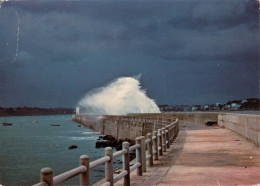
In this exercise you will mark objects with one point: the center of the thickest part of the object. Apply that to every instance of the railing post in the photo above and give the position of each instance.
(172, 133)
(150, 149)
(177, 124)
(47, 176)
(139, 156)
(167, 138)
(160, 142)
(155, 145)
(109, 166)
(163, 140)
(126, 159)
(84, 177)
(143, 147)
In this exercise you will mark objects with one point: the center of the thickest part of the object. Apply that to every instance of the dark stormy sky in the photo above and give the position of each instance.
(188, 51)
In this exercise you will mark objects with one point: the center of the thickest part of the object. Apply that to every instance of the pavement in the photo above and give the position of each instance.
(203, 155)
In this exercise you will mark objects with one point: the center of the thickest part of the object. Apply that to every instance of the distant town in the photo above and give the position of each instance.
(235, 105)
(33, 111)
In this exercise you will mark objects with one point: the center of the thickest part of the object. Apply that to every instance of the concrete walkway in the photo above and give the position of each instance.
(204, 155)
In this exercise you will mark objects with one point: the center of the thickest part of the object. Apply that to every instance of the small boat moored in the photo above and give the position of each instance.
(56, 125)
(7, 124)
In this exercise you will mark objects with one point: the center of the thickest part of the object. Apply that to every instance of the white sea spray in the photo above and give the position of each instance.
(120, 97)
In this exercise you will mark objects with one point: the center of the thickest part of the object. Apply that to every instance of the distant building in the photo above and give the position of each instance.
(226, 107)
(195, 108)
(235, 106)
(218, 106)
(244, 101)
(206, 107)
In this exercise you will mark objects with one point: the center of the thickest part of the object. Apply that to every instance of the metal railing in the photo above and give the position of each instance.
(156, 144)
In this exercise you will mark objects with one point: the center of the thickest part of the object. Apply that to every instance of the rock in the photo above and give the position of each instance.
(101, 144)
(118, 170)
(110, 141)
(211, 123)
(73, 147)
(132, 156)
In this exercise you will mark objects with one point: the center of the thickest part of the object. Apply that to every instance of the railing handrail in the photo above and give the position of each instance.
(99, 161)
(119, 153)
(156, 145)
(134, 147)
(69, 174)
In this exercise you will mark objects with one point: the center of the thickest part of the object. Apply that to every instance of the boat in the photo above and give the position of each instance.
(7, 124)
(57, 125)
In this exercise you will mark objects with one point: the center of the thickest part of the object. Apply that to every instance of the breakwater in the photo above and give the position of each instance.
(122, 127)
(133, 125)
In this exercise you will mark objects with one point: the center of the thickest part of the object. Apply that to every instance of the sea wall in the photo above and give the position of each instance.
(243, 124)
(122, 127)
(196, 117)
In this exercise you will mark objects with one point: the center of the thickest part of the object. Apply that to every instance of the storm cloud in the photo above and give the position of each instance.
(189, 52)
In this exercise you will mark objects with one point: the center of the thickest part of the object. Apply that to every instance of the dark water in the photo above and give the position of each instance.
(26, 147)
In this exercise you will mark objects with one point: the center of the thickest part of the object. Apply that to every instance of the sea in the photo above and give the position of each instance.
(28, 146)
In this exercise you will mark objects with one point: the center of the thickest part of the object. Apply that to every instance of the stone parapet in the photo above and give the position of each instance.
(243, 124)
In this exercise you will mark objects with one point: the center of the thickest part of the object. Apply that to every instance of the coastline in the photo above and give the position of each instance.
(28, 111)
